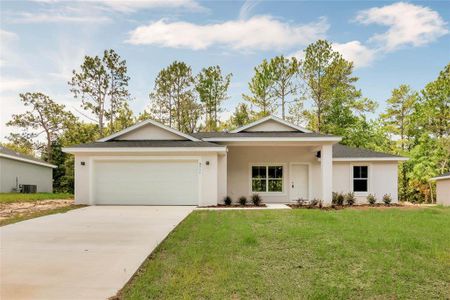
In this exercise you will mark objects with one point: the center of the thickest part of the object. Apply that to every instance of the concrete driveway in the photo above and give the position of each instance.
(87, 253)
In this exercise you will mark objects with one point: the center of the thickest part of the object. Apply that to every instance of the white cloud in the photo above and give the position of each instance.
(10, 84)
(408, 24)
(135, 5)
(247, 8)
(58, 16)
(6, 39)
(260, 32)
(356, 52)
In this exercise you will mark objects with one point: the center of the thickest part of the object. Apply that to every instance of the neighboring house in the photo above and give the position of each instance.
(443, 188)
(152, 164)
(18, 169)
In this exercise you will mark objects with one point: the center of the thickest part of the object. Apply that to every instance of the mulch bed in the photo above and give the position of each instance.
(233, 206)
(356, 206)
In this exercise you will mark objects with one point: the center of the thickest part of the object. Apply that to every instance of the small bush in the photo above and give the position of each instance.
(320, 204)
(350, 199)
(340, 199)
(387, 199)
(334, 198)
(242, 200)
(371, 199)
(314, 202)
(227, 200)
(256, 199)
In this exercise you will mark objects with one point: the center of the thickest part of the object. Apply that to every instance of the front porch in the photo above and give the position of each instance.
(279, 174)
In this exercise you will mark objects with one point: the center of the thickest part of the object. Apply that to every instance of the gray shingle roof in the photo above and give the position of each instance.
(146, 143)
(12, 153)
(342, 151)
(203, 135)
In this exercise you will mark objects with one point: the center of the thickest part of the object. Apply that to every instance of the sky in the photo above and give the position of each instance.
(42, 41)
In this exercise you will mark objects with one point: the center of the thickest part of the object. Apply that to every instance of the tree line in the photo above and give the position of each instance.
(318, 91)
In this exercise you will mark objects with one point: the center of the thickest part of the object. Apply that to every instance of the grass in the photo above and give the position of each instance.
(18, 197)
(37, 214)
(313, 254)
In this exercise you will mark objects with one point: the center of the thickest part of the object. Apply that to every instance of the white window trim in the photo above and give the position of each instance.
(369, 179)
(283, 179)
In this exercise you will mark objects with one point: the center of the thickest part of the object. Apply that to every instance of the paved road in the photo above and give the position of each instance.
(87, 253)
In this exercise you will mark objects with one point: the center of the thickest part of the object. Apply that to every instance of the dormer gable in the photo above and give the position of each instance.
(148, 130)
(271, 124)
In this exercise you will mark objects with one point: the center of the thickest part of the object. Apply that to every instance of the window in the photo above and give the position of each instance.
(267, 179)
(360, 178)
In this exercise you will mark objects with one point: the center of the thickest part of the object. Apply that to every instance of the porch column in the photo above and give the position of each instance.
(326, 167)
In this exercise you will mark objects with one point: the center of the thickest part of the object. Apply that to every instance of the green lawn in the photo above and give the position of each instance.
(378, 254)
(37, 214)
(17, 197)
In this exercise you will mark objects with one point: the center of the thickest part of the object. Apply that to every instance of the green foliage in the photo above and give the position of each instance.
(329, 85)
(371, 199)
(242, 116)
(172, 100)
(227, 200)
(285, 85)
(44, 117)
(19, 144)
(387, 199)
(260, 88)
(256, 199)
(212, 88)
(350, 199)
(337, 198)
(102, 85)
(242, 200)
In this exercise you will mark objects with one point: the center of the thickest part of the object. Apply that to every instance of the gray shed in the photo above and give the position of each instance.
(24, 172)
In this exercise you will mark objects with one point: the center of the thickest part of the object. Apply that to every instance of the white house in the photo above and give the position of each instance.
(19, 171)
(443, 189)
(152, 164)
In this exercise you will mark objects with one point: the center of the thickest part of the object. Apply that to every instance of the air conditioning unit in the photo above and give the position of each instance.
(28, 188)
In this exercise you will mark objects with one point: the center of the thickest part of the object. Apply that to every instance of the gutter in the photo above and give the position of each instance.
(28, 160)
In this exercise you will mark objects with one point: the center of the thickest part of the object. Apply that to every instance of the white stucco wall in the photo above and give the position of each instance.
(222, 176)
(443, 191)
(150, 132)
(382, 179)
(270, 125)
(240, 158)
(209, 191)
(26, 173)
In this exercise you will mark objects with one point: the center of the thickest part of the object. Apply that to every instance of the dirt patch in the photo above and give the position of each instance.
(8, 210)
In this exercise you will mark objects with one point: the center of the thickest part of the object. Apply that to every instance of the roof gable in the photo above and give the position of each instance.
(271, 124)
(148, 130)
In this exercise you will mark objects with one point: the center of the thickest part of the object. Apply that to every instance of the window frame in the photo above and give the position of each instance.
(267, 179)
(352, 179)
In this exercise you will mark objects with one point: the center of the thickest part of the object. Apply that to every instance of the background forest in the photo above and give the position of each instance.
(318, 92)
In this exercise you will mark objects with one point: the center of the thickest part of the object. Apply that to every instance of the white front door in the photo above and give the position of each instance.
(299, 182)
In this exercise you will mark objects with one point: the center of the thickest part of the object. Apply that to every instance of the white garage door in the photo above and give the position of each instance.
(146, 182)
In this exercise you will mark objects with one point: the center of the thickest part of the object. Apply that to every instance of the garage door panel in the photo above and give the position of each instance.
(146, 182)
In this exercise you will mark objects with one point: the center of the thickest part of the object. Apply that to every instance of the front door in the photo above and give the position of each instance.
(299, 182)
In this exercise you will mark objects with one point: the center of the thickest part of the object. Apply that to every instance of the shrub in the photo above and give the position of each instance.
(350, 199)
(334, 198)
(227, 201)
(256, 199)
(371, 199)
(242, 200)
(314, 202)
(387, 199)
(340, 199)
